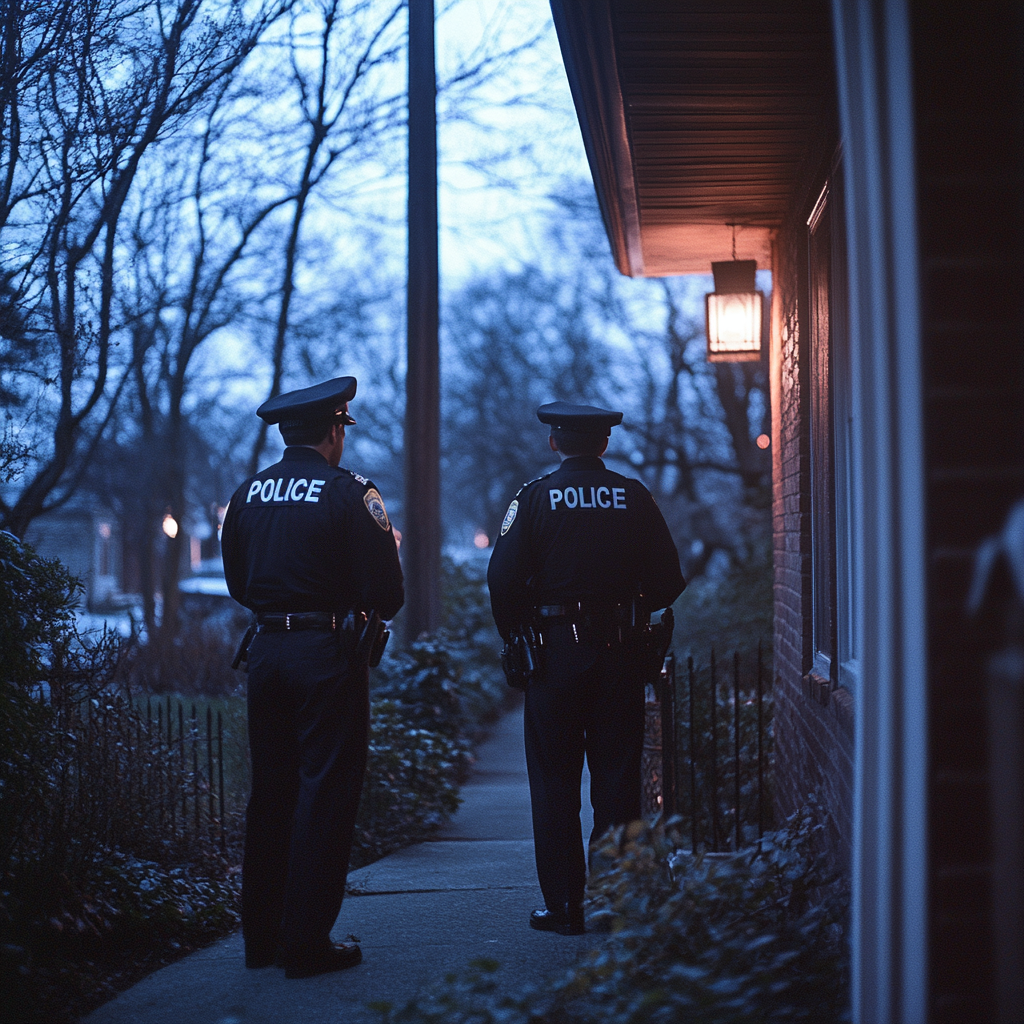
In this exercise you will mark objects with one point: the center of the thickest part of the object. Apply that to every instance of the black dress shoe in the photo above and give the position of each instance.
(568, 921)
(335, 957)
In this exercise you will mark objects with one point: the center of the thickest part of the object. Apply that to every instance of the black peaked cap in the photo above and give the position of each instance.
(318, 402)
(584, 418)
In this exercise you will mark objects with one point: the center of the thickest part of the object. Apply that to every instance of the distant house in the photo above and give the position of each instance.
(91, 541)
(871, 154)
(87, 539)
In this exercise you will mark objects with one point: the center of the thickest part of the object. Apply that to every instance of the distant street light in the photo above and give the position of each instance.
(734, 313)
(170, 526)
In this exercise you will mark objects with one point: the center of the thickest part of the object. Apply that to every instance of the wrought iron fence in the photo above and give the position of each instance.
(707, 751)
(157, 772)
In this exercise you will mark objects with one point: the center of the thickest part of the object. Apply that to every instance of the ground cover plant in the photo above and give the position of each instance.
(752, 937)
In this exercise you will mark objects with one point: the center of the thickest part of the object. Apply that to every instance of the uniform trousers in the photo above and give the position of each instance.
(588, 699)
(309, 713)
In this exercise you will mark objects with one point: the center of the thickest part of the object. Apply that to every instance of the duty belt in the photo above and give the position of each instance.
(579, 609)
(600, 621)
(281, 622)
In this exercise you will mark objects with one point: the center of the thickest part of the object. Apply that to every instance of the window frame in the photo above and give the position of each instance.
(834, 639)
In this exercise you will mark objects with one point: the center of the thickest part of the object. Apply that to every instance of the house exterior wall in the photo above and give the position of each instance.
(970, 167)
(88, 542)
(813, 719)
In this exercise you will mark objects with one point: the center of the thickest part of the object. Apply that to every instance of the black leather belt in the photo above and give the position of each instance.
(554, 611)
(576, 609)
(281, 622)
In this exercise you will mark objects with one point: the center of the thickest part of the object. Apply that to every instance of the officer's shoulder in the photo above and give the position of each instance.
(530, 483)
(350, 478)
(632, 482)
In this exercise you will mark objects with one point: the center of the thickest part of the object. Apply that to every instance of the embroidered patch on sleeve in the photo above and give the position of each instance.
(510, 517)
(375, 506)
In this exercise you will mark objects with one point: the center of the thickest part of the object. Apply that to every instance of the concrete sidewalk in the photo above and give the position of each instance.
(419, 913)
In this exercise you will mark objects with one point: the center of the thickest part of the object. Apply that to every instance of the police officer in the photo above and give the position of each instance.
(309, 548)
(579, 550)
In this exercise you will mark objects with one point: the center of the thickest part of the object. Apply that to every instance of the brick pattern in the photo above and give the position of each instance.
(813, 722)
(969, 110)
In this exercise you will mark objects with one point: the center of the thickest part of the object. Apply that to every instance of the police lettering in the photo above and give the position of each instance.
(587, 497)
(269, 491)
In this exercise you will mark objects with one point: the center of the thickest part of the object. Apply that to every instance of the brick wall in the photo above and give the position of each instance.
(813, 721)
(970, 151)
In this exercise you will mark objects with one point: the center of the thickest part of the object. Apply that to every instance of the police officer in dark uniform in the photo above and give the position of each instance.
(583, 554)
(309, 548)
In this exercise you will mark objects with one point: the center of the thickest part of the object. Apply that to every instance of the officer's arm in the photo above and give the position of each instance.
(231, 552)
(374, 553)
(662, 580)
(508, 571)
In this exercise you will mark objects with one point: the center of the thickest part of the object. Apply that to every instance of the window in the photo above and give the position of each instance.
(833, 622)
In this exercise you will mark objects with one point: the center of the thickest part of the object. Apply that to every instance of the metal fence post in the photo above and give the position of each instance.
(760, 741)
(714, 755)
(220, 770)
(668, 737)
(693, 760)
(736, 738)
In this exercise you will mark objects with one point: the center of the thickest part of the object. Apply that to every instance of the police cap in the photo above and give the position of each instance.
(581, 419)
(320, 402)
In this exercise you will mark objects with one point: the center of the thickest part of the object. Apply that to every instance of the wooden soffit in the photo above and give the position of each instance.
(695, 116)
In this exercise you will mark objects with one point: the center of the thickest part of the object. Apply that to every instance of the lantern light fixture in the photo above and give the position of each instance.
(734, 311)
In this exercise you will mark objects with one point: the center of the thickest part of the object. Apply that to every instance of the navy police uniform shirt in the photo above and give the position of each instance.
(304, 536)
(581, 533)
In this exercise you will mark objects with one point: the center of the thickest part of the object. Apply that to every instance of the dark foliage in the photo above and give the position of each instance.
(729, 609)
(412, 780)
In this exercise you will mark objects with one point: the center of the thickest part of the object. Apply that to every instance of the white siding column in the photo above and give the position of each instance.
(889, 914)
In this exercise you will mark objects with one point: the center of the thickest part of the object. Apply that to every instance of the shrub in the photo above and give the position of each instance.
(730, 610)
(412, 780)
(196, 662)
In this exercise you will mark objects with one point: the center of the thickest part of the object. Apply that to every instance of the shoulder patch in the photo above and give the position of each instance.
(375, 506)
(510, 516)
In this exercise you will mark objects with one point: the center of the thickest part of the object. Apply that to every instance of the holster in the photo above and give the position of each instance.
(655, 640)
(242, 652)
(372, 641)
(519, 656)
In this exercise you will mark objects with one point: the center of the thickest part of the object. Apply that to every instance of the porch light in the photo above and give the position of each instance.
(170, 526)
(734, 312)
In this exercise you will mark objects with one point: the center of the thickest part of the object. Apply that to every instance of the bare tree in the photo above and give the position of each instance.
(89, 90)
(513, 341)
(692, 433)
(335, 63)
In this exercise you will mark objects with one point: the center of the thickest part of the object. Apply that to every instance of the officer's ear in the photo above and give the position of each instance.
(551, 442)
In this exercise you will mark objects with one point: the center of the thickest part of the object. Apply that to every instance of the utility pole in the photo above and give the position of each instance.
(421, 540)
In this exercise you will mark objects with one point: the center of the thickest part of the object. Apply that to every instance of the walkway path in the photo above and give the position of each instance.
(420, 913)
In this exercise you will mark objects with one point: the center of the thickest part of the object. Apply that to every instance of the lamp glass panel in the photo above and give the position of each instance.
(734, 322)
